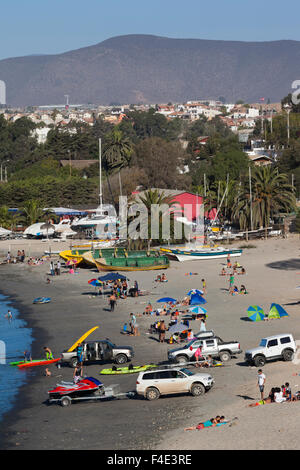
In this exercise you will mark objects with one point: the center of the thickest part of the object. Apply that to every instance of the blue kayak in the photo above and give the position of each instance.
(42, 300)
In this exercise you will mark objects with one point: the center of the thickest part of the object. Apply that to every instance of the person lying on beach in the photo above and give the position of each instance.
(212, 422)
(243, 289)
(223, 272)
(243, 271)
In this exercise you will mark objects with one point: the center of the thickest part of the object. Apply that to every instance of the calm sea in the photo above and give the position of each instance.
(17, 337)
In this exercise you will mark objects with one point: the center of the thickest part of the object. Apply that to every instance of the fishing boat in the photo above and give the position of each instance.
(131, 261)
(188, 254)
(77, 253)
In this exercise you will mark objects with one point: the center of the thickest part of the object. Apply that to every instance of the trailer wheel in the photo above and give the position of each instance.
(65, 401)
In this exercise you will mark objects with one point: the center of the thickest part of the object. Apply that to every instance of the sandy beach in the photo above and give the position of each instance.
(272, 275)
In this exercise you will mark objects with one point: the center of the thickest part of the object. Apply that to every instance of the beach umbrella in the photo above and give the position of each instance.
(277, 311)
(71, 262)
(177, 328)
(95, 282)
(167, 300)
(255, 313)
(198, 310)
(112, 277)
(197, 299)
(195, 291)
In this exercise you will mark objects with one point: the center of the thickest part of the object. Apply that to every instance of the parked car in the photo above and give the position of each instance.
(281, 346)
(99, 351)
(211, 345)
(153, 384)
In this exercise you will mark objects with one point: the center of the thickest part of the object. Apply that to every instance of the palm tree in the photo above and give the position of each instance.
(271, 193)
(157, 206)
(117, 152)
(32, 211)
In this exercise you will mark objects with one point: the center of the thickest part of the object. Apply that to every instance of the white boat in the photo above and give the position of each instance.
(98, 223)
(4, 232)
(187, 254)
(36, 231)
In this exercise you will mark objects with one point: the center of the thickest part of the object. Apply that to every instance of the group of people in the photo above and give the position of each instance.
(161, 278)
(55, 268)
(276, 395)
(20, 258)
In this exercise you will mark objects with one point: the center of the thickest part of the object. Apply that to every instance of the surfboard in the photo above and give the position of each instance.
(42, 362)
(82, 338)
(126, 370)
(24, 362)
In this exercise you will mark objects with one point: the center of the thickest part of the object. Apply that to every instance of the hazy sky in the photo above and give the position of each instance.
(53, 26)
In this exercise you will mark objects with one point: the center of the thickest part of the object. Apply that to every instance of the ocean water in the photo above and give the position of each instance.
(15, 338)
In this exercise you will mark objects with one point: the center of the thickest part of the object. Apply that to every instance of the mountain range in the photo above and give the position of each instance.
(151, 69)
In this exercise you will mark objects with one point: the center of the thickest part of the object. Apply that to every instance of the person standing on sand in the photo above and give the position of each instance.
(162, 331)
(204, 286)
(112, 302)
(52, 268)
(231, 282)
(58, 267)
(261, 380)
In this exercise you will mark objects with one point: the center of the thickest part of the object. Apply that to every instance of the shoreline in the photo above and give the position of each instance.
(153, 425)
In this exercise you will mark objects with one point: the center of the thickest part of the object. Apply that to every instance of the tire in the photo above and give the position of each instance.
(197, 390)
(121, 359)
(65, 401)
(259, 361)
(288, 355)
(225, 356)
(152, 393)
(73, 362)
(181, 359)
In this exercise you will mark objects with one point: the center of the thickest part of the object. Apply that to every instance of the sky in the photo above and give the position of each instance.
(54, 26)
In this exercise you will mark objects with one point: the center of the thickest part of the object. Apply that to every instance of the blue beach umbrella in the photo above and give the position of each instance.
(255, 313)
(195, 291)
(95, 282)
(167, 300)
(198, 310)
(277, 311)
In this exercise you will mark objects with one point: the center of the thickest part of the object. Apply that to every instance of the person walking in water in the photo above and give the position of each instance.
(9, 316)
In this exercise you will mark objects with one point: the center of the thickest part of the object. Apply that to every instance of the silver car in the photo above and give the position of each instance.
(153, 384)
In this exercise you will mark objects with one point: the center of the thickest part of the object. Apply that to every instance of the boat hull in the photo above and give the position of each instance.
(189, 255)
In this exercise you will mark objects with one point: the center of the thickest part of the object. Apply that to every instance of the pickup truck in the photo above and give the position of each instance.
(211, 345)
(281, 346)
(99, 351)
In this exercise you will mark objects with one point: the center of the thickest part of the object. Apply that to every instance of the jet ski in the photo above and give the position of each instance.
(84, 387)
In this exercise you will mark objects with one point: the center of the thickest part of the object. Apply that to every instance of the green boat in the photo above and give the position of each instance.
(142, 261)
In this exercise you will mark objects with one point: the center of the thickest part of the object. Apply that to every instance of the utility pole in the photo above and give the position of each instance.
(100, 173)
(250, 188)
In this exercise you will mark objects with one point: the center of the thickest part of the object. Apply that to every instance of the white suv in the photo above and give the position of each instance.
(152, 384)
(273, 347)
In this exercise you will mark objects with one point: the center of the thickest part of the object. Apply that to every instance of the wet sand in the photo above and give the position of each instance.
(272, 274)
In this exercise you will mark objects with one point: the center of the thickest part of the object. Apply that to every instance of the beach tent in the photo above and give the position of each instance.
(111, 277)
(197, 299)
(255, 313)
(277, 311)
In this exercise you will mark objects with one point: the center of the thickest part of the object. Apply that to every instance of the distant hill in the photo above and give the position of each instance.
(150, 69)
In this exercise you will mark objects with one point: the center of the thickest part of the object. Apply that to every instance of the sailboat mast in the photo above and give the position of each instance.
(100, 174)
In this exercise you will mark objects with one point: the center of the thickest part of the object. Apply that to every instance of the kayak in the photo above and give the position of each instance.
(126, 370)
(82, 338)
(42, 300)
(41, 362)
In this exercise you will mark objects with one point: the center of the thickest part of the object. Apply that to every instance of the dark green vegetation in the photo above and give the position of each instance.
(146, 150)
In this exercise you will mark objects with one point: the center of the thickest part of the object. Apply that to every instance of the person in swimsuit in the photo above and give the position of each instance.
(206, 424)
(48, 353)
